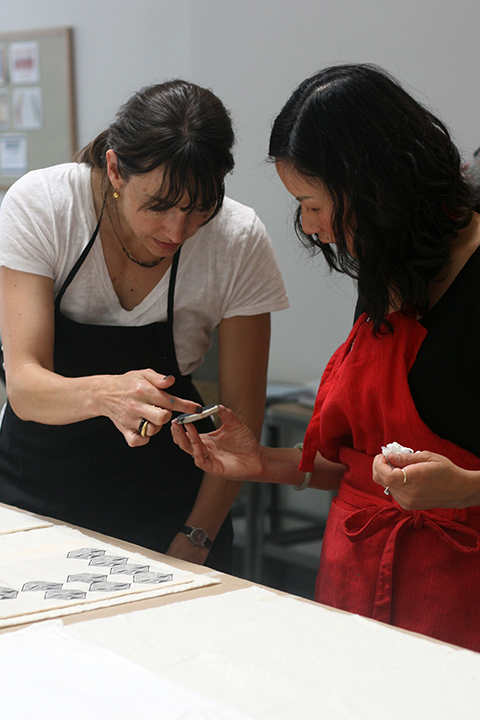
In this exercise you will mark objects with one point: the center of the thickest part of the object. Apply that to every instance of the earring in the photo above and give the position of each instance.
(116, 194)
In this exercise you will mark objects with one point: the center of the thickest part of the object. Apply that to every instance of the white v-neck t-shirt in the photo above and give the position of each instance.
(228, 268)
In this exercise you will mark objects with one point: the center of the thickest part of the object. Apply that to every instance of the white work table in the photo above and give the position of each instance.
(254, 652)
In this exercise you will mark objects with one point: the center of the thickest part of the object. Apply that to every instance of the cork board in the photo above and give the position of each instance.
(37, 113)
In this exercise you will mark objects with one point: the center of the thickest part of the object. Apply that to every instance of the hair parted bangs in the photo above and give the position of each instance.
(179, 127)
(181, 186)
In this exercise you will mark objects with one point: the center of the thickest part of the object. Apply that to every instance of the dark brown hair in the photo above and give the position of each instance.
(394, 175)
(176, 125)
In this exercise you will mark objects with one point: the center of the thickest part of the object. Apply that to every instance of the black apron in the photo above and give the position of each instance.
(85, 473)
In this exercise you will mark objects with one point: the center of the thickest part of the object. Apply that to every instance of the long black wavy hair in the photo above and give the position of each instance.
(394, 175)
(176, 125)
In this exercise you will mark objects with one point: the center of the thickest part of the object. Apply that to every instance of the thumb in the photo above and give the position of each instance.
(400, 460)
(228, 417)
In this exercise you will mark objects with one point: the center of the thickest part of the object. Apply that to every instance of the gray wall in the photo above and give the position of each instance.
(252, 53)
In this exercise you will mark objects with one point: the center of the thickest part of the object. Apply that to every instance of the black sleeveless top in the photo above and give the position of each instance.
(444, 380)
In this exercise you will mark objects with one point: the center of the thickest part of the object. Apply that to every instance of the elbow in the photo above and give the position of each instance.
(19, 402)
(19, 410)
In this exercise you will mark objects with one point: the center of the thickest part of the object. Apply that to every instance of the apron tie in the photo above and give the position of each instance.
(378, 514)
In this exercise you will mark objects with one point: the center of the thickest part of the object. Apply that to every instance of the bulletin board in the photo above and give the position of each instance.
(37, 113)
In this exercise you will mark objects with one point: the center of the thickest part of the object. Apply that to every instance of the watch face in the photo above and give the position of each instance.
(198, 536)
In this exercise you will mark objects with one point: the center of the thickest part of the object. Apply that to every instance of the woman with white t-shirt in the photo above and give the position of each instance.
(114, 273)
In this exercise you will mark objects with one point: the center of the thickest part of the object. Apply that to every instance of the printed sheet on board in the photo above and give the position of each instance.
(57, 571)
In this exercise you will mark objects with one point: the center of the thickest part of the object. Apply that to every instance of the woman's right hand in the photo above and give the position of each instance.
(140, 395)
(37, 393)
(230, 452)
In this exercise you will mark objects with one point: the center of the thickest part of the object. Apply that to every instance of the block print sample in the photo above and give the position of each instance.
(47, 572)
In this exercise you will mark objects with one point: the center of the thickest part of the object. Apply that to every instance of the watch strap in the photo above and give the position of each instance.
(197, 536)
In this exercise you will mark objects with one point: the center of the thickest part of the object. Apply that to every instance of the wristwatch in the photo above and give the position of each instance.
(197, 536)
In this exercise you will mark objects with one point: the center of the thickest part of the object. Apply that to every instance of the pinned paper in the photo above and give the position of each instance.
(4, 110)
(13, 155)
(24, 63)
(27, 108)
(3, 64)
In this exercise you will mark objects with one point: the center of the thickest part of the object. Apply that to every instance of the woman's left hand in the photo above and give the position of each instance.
(425, 480)
(231, 452)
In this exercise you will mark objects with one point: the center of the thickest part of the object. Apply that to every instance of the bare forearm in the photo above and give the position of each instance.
(280, 465)
(39, 395)
(213, 503)
(43, 396)
(243, 360)
(472, 482)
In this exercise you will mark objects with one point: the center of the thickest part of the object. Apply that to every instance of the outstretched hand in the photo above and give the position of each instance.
(430, 481)
(230, 452)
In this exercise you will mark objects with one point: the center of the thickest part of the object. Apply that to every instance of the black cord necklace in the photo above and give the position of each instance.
(150, 264)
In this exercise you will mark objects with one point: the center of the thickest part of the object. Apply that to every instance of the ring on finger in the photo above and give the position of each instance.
(142, 428)
(404, 477)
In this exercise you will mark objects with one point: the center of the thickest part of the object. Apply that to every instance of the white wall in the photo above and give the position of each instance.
(252, 53)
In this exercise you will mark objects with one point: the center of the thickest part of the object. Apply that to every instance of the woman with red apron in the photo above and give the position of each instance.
(377, 176)
(418, 570)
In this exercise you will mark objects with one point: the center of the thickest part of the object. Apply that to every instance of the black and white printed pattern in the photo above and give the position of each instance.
(131, 572)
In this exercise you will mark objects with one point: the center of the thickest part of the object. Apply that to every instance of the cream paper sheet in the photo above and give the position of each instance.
(58, 571)
(47, 675)
(12, 520)
(275, 657)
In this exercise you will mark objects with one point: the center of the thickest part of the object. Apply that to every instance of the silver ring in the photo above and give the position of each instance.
(387, 491)
(142, 428)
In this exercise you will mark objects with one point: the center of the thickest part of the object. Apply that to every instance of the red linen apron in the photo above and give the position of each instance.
(416, 570)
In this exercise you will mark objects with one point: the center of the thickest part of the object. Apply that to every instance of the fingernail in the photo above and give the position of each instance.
(167, 377)
(198, 409)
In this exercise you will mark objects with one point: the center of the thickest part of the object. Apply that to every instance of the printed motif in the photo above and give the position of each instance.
(102, 583)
